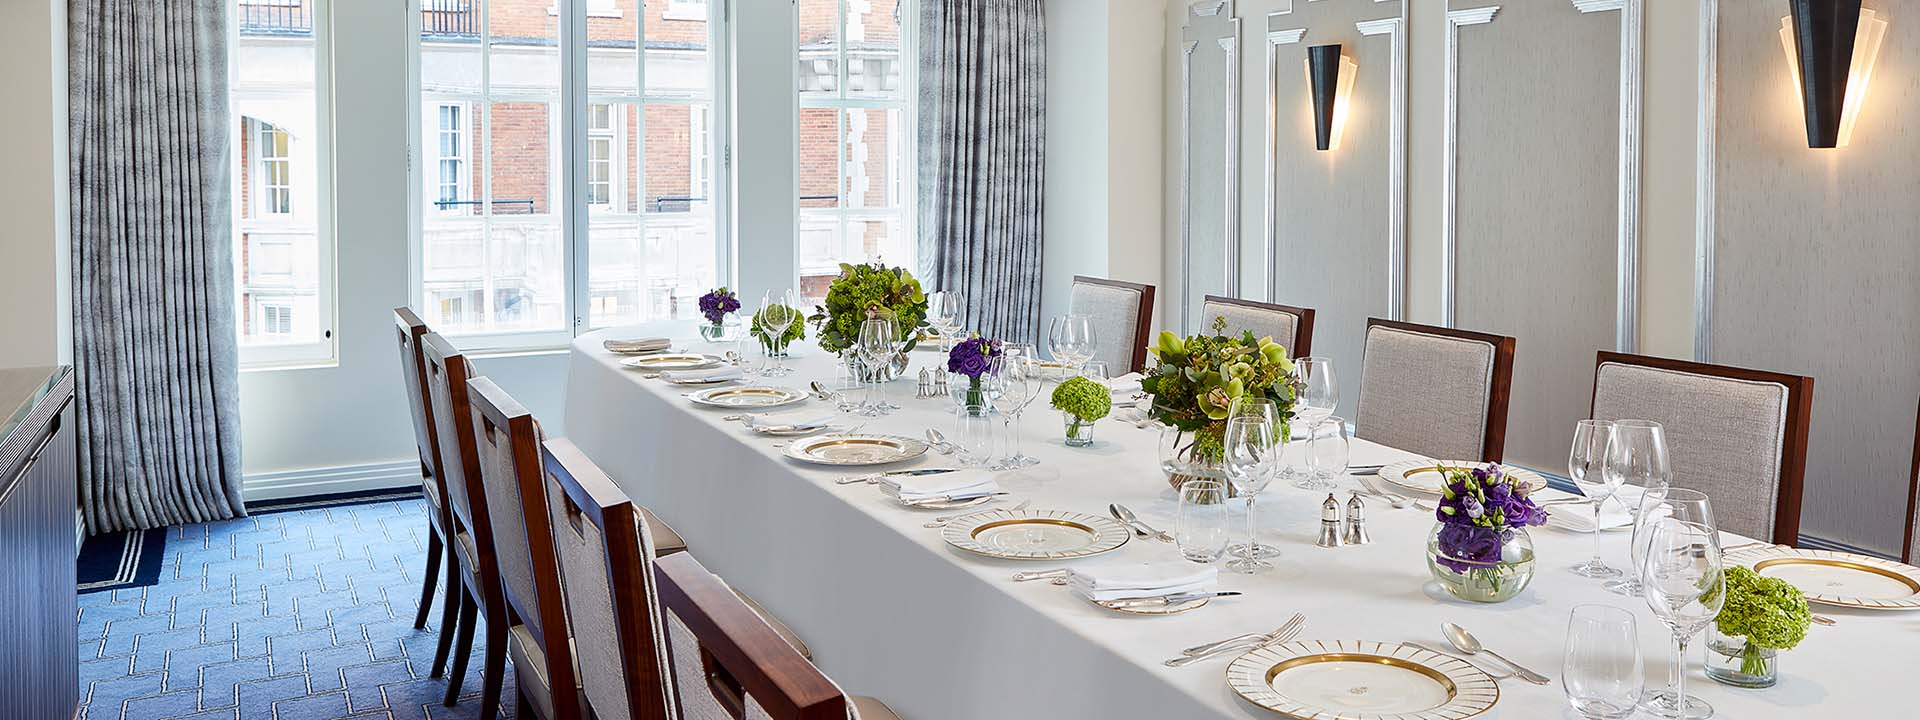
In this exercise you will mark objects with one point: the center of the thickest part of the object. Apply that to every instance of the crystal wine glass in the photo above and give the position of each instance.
(1327, 454)
(1264, 408)
(1602, 670)
(1636, 455)
(1319, 392)
(943, 312)
(1203, 528)
(1014, 374)
(1251, 447)
(876, 346)
(1071, 339)
(777, 315)
(1585, 466)
(1687, 505)
(1684, 583)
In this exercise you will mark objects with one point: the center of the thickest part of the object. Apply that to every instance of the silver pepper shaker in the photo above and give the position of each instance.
(1356, 522)
(1329, 523)
(924, 389)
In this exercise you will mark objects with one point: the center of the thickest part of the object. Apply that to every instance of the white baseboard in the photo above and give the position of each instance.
(398, 474)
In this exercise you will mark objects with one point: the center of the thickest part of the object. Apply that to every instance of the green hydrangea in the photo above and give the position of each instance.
(795, 331)
(1769, 612)
(870, 291)
(1082, 398)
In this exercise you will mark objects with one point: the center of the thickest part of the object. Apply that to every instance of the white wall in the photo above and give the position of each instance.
(33, 189)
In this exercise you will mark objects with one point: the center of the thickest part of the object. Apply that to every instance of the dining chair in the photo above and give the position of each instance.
(1290, 326)
(1738, 435)
(1913, 497)
(471, 524)
(538, 642)
(676, 642)
(1122, 316)
(433, 487)
(1437, 391)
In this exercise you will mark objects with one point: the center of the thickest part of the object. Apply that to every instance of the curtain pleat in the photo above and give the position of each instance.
(157, 379)
(982, 144)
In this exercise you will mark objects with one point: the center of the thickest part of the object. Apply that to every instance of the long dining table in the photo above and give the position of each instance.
(891, 610)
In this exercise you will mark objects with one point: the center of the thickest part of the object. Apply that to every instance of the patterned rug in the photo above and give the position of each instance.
(295, 613)
(120, 560)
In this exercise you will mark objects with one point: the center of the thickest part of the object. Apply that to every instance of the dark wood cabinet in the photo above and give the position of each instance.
(39, 663)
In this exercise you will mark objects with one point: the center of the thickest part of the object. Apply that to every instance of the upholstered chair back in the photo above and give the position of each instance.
(447, 373)
(1731, 433)
(413, 376)
(1121, 313)
(1913, 499)
(1436, 391)
(1292, 327)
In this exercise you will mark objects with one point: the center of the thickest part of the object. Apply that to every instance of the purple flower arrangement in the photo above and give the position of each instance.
(717, 304)
(973, 357)
(1479, 509)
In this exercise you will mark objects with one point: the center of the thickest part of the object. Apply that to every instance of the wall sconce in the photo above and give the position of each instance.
(1831, 48)
(1330, 74)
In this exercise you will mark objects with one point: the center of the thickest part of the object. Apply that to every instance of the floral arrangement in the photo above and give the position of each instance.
(718, 303)
(1479, 509)
(1084, 399)
(870, 291)
(1770, 613)
(1198, 378)
(973, 357)
(795, 331)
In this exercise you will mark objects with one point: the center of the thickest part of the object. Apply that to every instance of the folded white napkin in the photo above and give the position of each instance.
(1613, 513)
(1126, 385)
(962, 483)
(724, 372)
(642, 345)
(789, 422)
(1129, 580)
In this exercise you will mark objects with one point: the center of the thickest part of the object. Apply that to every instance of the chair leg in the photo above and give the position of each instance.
(523, 708)
(493, 669)
(449, 613)
(429, 578)
(463, 646)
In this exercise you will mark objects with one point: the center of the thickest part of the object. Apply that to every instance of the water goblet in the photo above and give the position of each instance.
(1684, 582)
(1602, 670)
(1586, 464)
(1327, 453)
(1203, 529)
(1251, 445)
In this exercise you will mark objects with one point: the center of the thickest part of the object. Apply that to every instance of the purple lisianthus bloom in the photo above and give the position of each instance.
(973, 356)
(1471, 505)
(716, 304)
(1469, 547)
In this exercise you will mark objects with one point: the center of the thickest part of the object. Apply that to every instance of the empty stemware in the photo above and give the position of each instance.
(943, 313)
(1602, 672)
(776, 316)
(876, 346)
(1586, 464)
(1684, 583)
(1014, 376)
(1071, 339)
(1203, 529)
(1327, 454)
(1251, 447)
(1637, 455)
(1319, 392)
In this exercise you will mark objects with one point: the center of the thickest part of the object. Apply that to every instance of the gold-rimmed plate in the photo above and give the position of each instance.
(1035, 534)
(663, 362)
(1361, 680)
(1837, 578)
(747, 397)
(1423, 476)
(851, 450)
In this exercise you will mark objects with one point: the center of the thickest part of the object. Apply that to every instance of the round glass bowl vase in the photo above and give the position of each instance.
(1480, 564)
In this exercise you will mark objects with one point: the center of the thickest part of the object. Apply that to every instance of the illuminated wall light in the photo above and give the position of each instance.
(1330, 75)
(1819, 36)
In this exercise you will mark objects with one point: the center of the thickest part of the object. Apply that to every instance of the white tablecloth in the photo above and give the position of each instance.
(891, 611)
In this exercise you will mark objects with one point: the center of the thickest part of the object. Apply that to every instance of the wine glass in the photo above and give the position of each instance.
(875, 346)
(1319, 393)
(1095, 370)
(1203, 529)
(1327, 453)
(776, 316)
(1602, 670)
(943, 312)
(1013, 373)
(1684, 583)
(1636, 455)
(1071, 340)
(1585, 465)
(1251, 447)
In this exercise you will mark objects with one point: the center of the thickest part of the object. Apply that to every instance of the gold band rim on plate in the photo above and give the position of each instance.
(788, 396)
(667, 361)
(1471, 691)
(1395, 474)
(909, 448)
(1108, 534)
(1760, 558)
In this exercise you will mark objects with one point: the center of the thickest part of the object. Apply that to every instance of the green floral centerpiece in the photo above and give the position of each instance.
(1762, 616)
(871, 291)
(1082, 401)
(796, 330)
(1196, 382)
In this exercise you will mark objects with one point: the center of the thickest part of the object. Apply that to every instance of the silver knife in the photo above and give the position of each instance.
(1174, 599)
(875, 477)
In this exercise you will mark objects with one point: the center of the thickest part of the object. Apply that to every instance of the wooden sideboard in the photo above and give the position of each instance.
(39, 662)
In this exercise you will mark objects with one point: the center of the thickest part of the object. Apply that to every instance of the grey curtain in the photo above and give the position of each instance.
(982, 149)
(153, 305)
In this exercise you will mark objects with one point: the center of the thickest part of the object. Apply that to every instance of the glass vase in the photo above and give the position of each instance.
(969, 392)
(1480, 564)
(1181, 461)
(1079, 432)
(876, 373)
(1731, 660)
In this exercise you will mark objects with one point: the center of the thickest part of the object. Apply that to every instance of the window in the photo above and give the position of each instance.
(282, 219)
(600, 157)
(452, 158)
(685, 10)
(855, 132)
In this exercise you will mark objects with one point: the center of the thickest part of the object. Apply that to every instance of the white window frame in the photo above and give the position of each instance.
(700, 154)
(323, 350)
(900, 134)
(684, 10)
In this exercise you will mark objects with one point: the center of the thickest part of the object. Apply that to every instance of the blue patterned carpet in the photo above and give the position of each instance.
(296, 615)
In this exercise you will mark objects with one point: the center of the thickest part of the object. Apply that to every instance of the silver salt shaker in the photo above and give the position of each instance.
(1329, 523)
(1356, 522)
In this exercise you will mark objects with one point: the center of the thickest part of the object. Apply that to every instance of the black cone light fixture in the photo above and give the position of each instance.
(1330, 76)
(1831, 47)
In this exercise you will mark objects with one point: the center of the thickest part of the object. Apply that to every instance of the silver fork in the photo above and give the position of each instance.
(944, 520)
(1286, 632)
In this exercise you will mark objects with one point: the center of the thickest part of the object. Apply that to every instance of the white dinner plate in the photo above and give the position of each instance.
(1837, 578)
(747, 397)
(1423, 476)
(673, 361)
(1361, 680)
(862, 449)
(1035, 534)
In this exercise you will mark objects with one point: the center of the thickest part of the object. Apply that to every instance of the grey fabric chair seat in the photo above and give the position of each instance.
(1288, 326)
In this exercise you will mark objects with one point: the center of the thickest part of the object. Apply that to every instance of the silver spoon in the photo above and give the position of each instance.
(820, 391)
(1466, 643)
(939, 441)
(1125, 515)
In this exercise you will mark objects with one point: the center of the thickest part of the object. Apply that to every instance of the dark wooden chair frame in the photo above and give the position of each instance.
(498, 418)
(1913, 495)
(1793, 456)
(1499, 395)
(741, 655)
(413, 369)
(480, 588)
(1143, 320)
(1303, 333)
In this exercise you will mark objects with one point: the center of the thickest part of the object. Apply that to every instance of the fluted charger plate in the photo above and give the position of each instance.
(673, 361)
(1361, 680)
(863, 449)
(1035, 534)
(747, 397)
(1423, 476)
(1838, 578)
